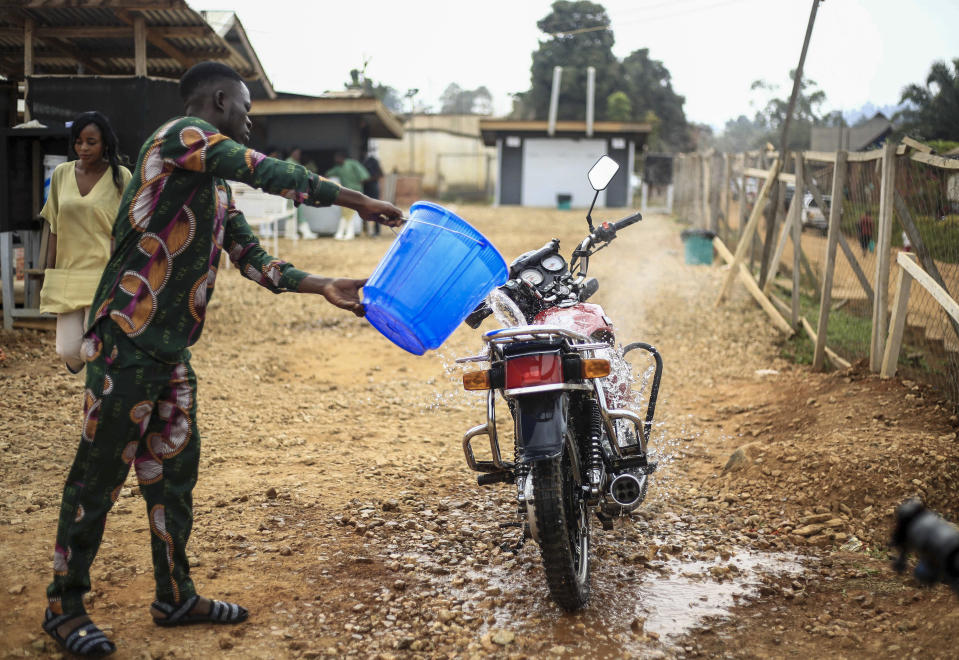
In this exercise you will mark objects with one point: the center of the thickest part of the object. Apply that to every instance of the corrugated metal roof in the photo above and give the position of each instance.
(168, 55)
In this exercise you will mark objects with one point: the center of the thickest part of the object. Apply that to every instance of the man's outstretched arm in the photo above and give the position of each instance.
(278, 276)
(341, 292)
(196, 145)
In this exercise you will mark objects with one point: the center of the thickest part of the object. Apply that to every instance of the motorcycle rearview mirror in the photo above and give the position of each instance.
(600, 174)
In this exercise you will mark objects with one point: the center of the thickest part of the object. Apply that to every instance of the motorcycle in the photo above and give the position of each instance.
(578, 450)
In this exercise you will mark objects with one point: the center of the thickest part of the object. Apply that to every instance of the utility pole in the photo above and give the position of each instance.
(411, 95)
(774, 196)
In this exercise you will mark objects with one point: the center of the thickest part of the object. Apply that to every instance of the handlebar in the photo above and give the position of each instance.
(607, 231)
(627, 221)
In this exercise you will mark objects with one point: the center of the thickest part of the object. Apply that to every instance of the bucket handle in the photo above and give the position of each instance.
(453, 231)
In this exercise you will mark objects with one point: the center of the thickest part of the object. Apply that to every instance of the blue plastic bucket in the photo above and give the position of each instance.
(437, 270)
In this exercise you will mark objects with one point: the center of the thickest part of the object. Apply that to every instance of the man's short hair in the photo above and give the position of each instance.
(205, 73)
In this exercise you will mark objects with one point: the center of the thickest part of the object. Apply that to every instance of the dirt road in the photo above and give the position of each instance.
(335, 504)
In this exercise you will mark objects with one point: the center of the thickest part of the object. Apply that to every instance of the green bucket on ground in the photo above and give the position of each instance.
(564, 202)
(699, 246)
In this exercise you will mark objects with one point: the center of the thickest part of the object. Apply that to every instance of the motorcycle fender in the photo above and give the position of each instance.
(540, 426)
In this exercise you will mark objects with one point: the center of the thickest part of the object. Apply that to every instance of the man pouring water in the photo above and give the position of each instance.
(175, 218)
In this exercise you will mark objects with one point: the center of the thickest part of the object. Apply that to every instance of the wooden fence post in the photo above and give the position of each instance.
(900, 307)
(750, 231)
(140, 45)
(743, 216)
(919, 246)
(792, 216)
(883, 245)
(28, 44)
(727, 171)
(707, 221)
(753, 289)
(825, 300)
(797, 236)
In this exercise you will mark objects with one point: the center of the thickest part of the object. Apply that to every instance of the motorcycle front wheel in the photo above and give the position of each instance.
(563, 525)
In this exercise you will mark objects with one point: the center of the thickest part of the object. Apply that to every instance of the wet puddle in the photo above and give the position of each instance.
(676, 603)
(669, 600)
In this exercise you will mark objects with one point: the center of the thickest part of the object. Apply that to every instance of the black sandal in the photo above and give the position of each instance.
(220, 612)
(85, 640)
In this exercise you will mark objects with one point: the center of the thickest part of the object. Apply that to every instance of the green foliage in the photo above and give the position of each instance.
(458, 101)
(619, 107)
(648, 83)
(579, 36)
(848, 334)
(940, 235)
(386, 94)
(933, 110)
(805, 114)
(942, 146)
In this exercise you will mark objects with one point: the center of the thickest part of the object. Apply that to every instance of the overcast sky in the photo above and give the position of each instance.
(862, 51)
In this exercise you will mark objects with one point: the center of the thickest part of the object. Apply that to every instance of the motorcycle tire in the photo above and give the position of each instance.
(563, 525)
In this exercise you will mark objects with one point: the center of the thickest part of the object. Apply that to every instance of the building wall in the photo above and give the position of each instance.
(319, 136)
(447, 151)
(558, 166)
(534, 171)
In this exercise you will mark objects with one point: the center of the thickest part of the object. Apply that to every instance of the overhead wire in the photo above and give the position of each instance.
(647, 19)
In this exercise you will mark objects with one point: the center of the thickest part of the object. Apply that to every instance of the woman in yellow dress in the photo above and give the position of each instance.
(81, 209)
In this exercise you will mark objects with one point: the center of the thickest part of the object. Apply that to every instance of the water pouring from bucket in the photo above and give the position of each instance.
(435, 272)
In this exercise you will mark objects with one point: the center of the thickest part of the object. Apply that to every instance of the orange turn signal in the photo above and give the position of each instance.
(476, 380)
(595, 368)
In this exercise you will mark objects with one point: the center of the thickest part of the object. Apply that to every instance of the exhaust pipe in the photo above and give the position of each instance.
(627, 491)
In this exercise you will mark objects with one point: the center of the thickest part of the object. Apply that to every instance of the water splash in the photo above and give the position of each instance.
(505, 311)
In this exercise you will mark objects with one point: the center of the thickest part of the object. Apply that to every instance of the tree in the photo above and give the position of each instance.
(619, 107)
(458, 101)
(933, 110)
(805, 114)
(386, 94)
(742, 134)
(579, 36)
(648, 83)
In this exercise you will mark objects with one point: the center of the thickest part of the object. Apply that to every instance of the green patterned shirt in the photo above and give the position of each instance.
(175, 218)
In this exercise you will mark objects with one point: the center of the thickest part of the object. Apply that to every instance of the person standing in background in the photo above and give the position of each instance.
(302, 226)
(81, 208)
(371, 187)
(351, 174)
(865, 228)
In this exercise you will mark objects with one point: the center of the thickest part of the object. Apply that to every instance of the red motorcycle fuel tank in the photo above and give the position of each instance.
(585, 318)
(590, 320)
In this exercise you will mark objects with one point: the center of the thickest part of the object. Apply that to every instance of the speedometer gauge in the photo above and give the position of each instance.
(532, 276)
(553, 263)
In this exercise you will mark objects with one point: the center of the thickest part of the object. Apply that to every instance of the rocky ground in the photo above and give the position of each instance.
(335, 504)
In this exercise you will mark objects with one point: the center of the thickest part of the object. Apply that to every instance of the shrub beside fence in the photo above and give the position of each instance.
(841, 285)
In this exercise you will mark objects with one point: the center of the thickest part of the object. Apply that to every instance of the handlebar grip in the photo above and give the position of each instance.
(627, 221)
(607, 231)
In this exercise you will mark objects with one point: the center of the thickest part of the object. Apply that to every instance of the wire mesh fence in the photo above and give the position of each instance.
(927, 224)
(720, 192)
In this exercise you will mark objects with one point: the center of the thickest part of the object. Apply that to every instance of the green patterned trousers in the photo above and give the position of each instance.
(140, 412)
